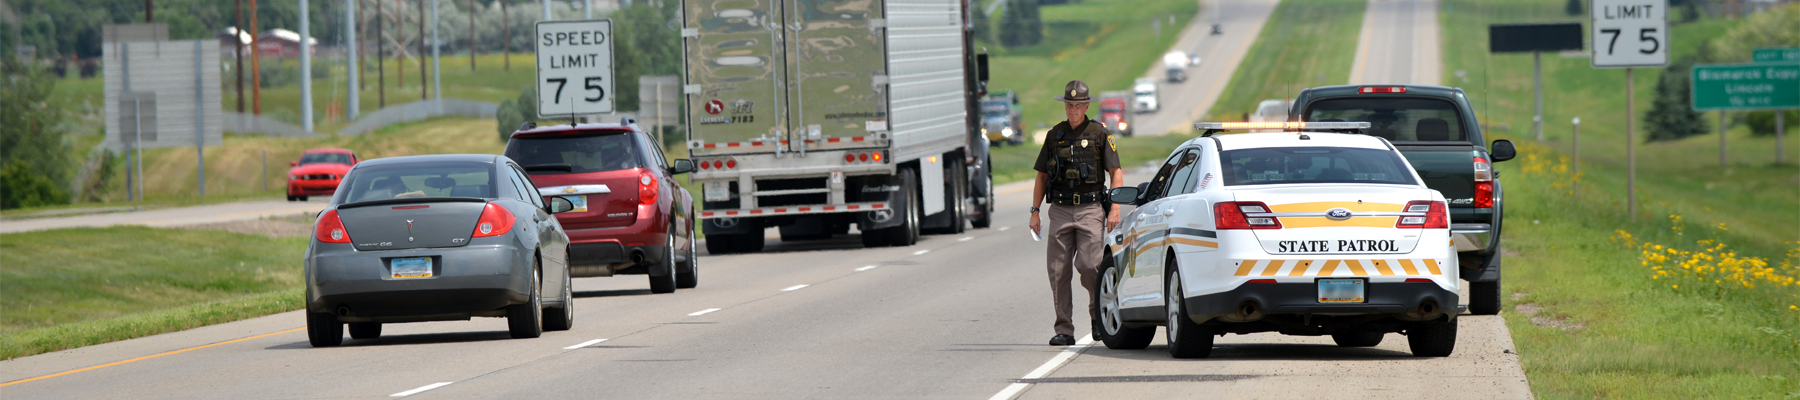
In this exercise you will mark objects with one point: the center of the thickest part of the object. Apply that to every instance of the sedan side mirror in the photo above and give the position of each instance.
(559, 205)
(1503, 150)
(681, 166)
(1123, 195)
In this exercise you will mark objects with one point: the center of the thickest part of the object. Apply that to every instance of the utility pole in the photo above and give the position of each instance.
(306, 105)
(506, 39)
(149, 11)
(237, 50)
(587, 9)
(471, 35)
(422, 89)
(255, 63)
(546, 4)
(437, 74)
(355, 63)
(380, 58)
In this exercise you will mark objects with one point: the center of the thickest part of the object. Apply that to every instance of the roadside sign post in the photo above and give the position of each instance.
(574, 67)
(1537, 39)
(1745, 87)
(1575, 186)
(1643, 27)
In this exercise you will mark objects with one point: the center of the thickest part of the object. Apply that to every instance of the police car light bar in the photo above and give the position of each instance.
(1227, 126)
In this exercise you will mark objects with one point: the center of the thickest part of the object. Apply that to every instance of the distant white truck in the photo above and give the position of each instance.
(1145, 94)
(1175, 64)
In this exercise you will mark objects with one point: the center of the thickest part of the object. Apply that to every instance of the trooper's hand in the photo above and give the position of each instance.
(1112, 221)
(1034, 224)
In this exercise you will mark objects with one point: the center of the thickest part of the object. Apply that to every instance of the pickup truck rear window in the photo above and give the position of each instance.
(1269, 166)
(1397, 119)
(585, 153)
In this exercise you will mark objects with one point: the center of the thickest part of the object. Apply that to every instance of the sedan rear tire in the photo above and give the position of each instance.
(524, 321)
(1187, 339)
(324, 330)
(365, 330)
(562, 318)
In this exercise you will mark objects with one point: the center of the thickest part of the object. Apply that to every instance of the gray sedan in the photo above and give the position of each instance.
(437, 238)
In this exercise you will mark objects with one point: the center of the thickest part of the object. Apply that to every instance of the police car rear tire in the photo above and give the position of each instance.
(1484, 298)
(1187, 339)
(1111, 329)
(1432, 339)
(1357, 339)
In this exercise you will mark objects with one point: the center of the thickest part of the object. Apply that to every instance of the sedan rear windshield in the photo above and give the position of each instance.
(611, 151)
(420, 180)
(335, 158)
(1397, 119)
(1268, 166)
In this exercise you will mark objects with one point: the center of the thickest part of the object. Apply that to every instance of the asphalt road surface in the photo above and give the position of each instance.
(193, 215)
(1240, 21)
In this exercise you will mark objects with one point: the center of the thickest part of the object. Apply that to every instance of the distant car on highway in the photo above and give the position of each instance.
(317, 172)
(1000, 120)
(1146, 100)
(630, 216)
(1217, 29)
(1271, 110)
(437, 238)
(1304, 233)
(1435, 128)
(1115, 112)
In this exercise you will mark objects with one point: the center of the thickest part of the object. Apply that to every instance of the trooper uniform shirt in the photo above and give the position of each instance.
(1077, 159)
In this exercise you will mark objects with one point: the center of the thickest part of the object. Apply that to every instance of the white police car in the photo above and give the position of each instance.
(1304, 232)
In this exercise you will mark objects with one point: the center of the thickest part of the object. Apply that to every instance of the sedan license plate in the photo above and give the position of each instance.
(1340, 290)
(410, 268)
(580, 203)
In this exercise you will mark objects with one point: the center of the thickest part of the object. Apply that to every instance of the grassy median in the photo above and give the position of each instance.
(69, 288)
(1306, 43)
(1693, 296)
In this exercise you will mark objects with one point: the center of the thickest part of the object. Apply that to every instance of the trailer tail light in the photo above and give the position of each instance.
(330, 229)
(1381, 89)
(705, 165)
(1235, 215)
(1437, 216)
(1484, 183)
(646, 188)
(849, 158)
(494, 221)
(731, 163)
(865, 157)
(876, 156)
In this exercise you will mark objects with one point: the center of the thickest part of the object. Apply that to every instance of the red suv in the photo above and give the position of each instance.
(317, 172)
(630, 215)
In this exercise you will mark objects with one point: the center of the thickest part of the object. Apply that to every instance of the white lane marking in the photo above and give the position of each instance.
(1055, 362)
(702, 312)
(1004, 228)
(866, 268)
(966, 238)
(921, 252)
(793, 288)
(585, 344)
(420, 389)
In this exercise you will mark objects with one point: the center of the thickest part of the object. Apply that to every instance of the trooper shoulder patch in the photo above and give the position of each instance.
(1110, 143)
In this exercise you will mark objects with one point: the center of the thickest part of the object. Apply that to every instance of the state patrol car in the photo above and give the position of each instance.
(1313, 231)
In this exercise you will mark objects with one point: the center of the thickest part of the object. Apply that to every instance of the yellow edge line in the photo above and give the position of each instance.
(147, 357)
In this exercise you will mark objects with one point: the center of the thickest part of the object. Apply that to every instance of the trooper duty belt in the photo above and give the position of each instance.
(1068, 198)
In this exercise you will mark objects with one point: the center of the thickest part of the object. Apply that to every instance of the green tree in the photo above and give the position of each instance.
(1019, 26)
(648, 37)
(1762, 123)
(1773, 28)
(34, 159)
(514, 112)
(1672, 116)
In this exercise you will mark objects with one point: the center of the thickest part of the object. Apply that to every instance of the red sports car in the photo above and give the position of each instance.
(317, 172)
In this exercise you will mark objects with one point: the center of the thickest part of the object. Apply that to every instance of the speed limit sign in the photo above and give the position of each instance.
(1630, 33)
(574, 67)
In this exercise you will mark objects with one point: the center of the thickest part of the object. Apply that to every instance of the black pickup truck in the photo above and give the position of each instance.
(1435, 129)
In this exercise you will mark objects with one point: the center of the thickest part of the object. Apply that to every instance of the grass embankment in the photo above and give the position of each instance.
(69, 288)
(1106, 43)
(1603, 303)
(1306, 43)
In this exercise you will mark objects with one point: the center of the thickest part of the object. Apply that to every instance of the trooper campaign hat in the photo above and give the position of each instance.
(1075, 92)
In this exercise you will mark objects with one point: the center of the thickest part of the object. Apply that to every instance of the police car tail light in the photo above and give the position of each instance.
(494, 221)
(331, 229)
(1381, 89)
(1235, 215)
(646, 188)
(1437, 216)
(1484, 183)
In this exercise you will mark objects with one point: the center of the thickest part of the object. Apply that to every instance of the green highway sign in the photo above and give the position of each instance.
(1789, 54)
(1746, 86)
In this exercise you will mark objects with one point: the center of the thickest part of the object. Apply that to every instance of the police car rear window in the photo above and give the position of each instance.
(1268, 166)
(1397, 119)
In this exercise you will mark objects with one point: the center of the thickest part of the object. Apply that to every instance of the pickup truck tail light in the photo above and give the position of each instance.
(1437, 215)
(1484, 183)
(1235, 215)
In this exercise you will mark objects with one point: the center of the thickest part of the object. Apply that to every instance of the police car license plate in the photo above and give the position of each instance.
(1341, 290)
(410, 268)
(580, 203)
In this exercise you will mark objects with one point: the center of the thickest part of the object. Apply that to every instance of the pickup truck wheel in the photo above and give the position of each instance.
(1357, 339)
(1187, 339)
(1432, 339)
(365, 330)
(665, 283)
(324, 330)
(1111, 329)
(1484, 298)
(524, 321)
(688, 275)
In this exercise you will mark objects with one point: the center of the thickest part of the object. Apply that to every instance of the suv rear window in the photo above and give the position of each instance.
(419, 180)
(1397, 119)
(600, 152)
(1269, 166)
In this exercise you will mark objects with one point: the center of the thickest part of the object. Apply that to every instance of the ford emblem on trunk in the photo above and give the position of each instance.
(1337, 214)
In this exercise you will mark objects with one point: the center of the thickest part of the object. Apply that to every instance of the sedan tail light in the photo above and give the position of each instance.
(330, 229)
(494, 221)
(1436, 215)
(646, 188)
(1234, 215)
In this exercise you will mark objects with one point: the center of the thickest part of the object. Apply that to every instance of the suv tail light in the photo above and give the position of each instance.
(646, 188)
(1233, 215)
(1437, 216)
(494, 221)
(1484, 183)
(331, 229)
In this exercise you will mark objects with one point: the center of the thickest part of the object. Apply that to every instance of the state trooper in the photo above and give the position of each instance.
(1076, 165)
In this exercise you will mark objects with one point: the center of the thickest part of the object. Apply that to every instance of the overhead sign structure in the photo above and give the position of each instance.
(1630, 33)
(1737, 87)
(1789, 54)
(574, 67)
